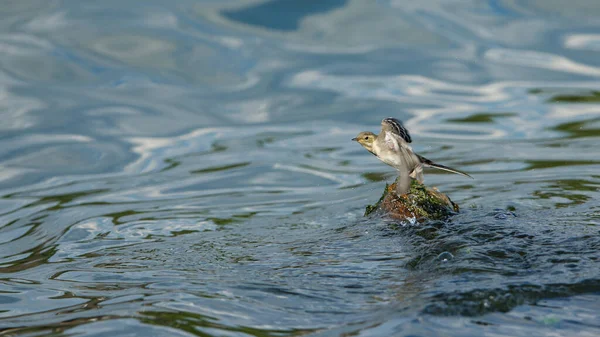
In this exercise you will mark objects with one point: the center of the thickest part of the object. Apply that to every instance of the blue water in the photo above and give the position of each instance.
(185, 168)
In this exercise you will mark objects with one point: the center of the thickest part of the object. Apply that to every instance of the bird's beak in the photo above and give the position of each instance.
(354, 139)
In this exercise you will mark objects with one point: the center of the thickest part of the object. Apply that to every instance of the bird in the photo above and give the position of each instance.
(391, 147)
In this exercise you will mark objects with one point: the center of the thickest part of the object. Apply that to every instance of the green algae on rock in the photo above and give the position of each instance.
(420, 203)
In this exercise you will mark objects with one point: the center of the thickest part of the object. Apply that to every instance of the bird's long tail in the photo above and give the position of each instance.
(428, 163)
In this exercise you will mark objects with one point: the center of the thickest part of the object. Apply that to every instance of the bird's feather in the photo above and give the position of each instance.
(391, 141)
(417, 173)
(428, 163)
(395, 126)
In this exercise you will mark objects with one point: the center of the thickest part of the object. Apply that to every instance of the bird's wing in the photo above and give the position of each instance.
(428, 163)
(391, 143)
(395, 141)
(395, 126)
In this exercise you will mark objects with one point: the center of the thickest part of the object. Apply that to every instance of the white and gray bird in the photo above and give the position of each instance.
(391, 147)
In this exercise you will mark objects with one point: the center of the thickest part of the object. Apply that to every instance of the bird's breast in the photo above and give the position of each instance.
(388, 156)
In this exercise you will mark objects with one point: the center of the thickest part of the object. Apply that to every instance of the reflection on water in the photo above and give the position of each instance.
(186, 168)
(282, 14)
(582, 129)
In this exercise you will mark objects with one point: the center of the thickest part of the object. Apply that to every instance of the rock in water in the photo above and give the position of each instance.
(420, 203)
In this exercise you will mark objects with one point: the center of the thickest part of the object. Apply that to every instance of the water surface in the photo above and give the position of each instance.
(186, 168)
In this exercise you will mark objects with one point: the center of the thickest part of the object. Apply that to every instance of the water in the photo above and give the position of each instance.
(185, 168)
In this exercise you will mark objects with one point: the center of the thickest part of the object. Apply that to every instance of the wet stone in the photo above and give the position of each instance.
(419, 204)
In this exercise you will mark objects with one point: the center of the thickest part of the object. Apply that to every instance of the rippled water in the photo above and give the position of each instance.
(185, 167)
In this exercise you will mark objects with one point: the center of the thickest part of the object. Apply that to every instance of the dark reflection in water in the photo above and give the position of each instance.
(580, 129)
(478, 302)
(198, 324)
(284, 15)
(168, 169)
(482, 117)
(592, 97)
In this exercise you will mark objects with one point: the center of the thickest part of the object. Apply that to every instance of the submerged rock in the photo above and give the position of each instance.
(420, 203)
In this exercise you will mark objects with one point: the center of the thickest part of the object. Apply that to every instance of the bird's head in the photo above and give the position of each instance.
(366, 139)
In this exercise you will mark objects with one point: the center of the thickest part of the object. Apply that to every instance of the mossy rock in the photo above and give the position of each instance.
(420, 203)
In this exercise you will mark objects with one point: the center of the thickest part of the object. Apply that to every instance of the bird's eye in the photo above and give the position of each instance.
(366, 137)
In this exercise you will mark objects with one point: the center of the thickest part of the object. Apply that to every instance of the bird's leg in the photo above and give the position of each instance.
(403, 182)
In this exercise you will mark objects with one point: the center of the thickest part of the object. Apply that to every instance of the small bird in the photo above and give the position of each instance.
(391, 147)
